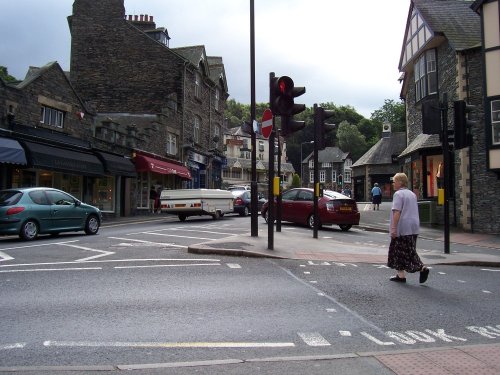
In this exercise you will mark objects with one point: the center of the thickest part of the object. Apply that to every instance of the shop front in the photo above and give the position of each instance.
(159, 174)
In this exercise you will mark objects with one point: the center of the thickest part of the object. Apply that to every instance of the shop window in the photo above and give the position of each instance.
(103, 193)
(435, 175)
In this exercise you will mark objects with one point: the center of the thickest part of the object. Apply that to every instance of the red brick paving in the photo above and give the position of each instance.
(476, 360)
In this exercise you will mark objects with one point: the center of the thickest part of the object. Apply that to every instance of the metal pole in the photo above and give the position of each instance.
(316, 176)
(270, 207)
(253, 183)
(446, 168)
(278, 207)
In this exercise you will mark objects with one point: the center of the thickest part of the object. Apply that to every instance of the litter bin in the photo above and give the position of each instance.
(427, 212)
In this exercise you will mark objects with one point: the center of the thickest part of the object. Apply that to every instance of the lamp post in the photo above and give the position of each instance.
(301, 164)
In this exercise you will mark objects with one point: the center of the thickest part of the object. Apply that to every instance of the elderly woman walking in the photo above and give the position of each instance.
(404, 229)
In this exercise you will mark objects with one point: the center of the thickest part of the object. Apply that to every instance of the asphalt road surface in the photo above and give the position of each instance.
(133, 295)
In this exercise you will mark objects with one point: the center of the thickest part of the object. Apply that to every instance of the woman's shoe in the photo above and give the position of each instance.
(398, 279)
(424, 274)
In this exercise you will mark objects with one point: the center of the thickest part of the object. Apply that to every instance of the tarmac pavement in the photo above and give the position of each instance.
(288, 244)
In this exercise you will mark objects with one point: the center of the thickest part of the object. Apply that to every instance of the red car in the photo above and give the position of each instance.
(333, 208)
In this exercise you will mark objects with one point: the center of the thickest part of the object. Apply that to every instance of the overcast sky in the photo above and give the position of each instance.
(345, 52)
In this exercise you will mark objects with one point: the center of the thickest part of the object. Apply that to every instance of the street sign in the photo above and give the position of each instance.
(267, 123)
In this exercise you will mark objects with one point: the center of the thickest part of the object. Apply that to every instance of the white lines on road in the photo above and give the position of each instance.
(4, 256)
(233, 265)
(97, 344)
(148, 242)
(489, 270)
(345, 333)
(113, 261)
(181, 236)
(169, 265)
(331, 310)
(17, 345)
(313, 339)
(53, 269)
(486, 291)
(103, 253)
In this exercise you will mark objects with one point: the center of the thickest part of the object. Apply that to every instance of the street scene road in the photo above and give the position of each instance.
(133, 295)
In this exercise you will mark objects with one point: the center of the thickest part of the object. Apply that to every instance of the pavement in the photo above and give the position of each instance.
(466, 248)
(482, 249)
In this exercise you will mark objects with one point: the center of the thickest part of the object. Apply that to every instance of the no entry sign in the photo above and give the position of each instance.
(267, 123)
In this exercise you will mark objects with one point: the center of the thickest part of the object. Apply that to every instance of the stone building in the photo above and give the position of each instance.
(238, 170)
(140, 113)
(45, 120)
(334, 169)
(442, 54)
(378, 165)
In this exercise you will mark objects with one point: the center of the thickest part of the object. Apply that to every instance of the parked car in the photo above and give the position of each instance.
(333, 208)
(238, 187)
(242, 201)
(28, 212)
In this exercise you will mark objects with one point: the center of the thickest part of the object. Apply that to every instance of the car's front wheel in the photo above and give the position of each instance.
(345, 227)
(29, 230)
(92, 225)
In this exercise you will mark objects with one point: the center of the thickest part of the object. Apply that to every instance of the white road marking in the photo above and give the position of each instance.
(40, 245)
(331, 310)
(175, 235)
(148, 242)
(489, 270)
(103, 252)
(168, 265)
(233, 265)
(169, 344)
(313, 339)
(307, 273)
(17, 345)
(345, 333)
(442, 273)
(4, 256)
(52, 269)
(313, 282)
(110, 261)
(486, 291)
(461, 281)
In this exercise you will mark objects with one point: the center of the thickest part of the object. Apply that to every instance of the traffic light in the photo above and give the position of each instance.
(340, 180)
(281, 97)
(462, 123)
(320, 127)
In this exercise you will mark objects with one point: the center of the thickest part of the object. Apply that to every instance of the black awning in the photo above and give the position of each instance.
(117, 164)
(11, 152)
(63, 160)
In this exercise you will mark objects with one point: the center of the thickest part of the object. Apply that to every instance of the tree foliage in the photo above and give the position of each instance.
(351, 140)
(357, 135)
(4, 74)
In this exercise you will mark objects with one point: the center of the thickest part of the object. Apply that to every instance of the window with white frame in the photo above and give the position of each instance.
(197, 85)
(334, 176)
(311, 176)
(326, 164)
(52, 117)
(196, 129)
(425, 75)
(495, 121)
(216, 101)
(322, 175)
(348, 162)
(171, 144)
(347, 176)
(311, 163)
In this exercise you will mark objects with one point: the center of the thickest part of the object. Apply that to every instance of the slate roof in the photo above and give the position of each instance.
(423, 141)
(192, 53)
(247, 164)
(329, 155)
(454, 19)
(382, 151)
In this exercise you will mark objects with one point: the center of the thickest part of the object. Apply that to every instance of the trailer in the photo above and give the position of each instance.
(196, 202)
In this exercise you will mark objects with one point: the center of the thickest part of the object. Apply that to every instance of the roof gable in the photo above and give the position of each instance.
(428, 19)
(382, 151)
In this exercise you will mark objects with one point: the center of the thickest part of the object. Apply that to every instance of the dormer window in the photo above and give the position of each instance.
(51, 116)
